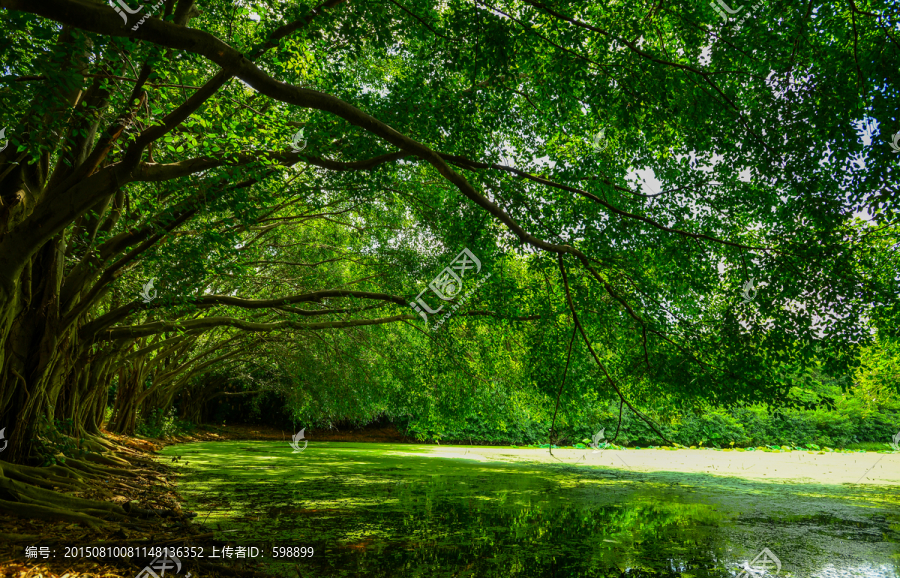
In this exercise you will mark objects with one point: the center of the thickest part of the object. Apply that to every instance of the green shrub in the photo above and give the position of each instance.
(847, 424)
(55, 438)
(160, 424)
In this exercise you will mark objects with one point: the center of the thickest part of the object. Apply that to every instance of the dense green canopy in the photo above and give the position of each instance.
(664, 204)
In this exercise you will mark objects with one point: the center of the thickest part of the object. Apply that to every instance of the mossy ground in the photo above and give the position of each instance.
(406, 510)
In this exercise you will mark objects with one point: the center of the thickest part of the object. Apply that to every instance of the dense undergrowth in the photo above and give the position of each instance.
(857, 409)
(716, 427)
(849, 424)
(833, 417)
(162, 424)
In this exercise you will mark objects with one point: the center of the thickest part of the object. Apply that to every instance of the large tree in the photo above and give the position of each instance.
(277, 168)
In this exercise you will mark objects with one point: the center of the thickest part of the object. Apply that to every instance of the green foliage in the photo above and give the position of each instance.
(161, 424)
(878, 373)
(742, 427)
(243, 227)
(54, 442)
(823, 415)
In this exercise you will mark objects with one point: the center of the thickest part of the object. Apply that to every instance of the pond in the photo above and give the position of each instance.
(378, 510)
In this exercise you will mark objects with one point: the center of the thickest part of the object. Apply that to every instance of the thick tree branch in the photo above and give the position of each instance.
(461, 161)
(153, 172)
(214, 322)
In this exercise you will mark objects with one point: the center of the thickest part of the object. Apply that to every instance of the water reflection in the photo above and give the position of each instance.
(370, 511)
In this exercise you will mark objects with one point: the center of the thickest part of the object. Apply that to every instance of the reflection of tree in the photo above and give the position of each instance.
(540, 536)
(515, 534)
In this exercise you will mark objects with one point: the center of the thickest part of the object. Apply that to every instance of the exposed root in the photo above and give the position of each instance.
(106, 460)
(37, 477)
(142, 461)
(33, 492)
(99, 471)
(24, 492)
(50, 514)
(109, 446)
(94, 446)
(64, 472)
(105, 515)
(145, 513)
(112, 506)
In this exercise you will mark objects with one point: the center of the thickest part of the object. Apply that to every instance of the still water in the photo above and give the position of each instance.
(373, 510)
